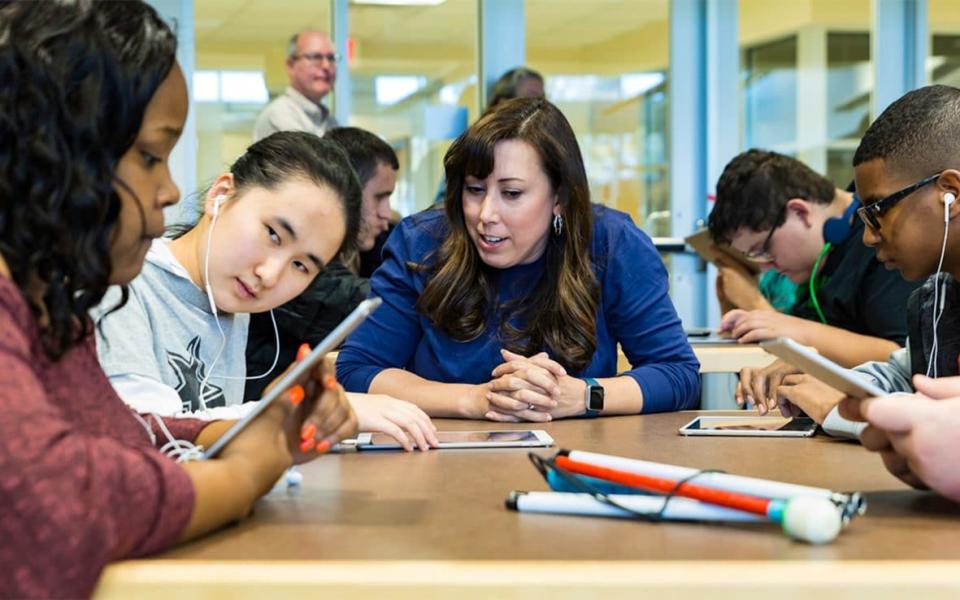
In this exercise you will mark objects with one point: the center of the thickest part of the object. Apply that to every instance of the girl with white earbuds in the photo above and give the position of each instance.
(175, 346)
(269, 226)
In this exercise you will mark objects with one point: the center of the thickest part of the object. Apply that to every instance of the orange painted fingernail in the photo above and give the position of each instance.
(295, 395)
(308, 431)
(330, 382)
(307, 445)
(303, 351)
(323, 447)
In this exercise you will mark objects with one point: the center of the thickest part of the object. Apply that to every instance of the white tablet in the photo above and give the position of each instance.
(751, 426)
(824, 369)
(329, 343)
(517, 438)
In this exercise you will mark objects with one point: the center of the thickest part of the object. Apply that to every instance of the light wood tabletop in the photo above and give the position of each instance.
(429, 525)
(720, 358)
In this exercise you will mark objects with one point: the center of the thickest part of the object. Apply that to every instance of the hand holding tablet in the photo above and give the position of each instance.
(298, 374)
(824, 369)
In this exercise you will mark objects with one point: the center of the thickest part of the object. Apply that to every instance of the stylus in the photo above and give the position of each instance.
(811, 519)
(678, 509)
(850, 504)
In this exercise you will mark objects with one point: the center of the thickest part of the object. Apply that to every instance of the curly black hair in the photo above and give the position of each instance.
(77, 80)
(916, 136)
(754, 188)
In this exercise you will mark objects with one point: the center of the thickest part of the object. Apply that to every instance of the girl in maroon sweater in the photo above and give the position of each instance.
(96, 105)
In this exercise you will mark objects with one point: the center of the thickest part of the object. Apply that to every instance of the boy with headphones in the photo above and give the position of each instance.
(778, 211)
(907, 171)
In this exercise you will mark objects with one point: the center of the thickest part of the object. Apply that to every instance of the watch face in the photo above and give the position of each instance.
(595, 401)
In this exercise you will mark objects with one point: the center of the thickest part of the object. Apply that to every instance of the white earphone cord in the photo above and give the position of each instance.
(216, 317)
(939, 291)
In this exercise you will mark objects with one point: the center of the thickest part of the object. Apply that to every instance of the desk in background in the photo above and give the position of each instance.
(720, 358)
(714, 358)
(395, 525)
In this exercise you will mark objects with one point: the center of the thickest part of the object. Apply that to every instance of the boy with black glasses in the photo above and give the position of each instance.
(907, 171)
(787, 217)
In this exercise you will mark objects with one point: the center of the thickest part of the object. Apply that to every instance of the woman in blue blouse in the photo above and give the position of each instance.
(509, 302)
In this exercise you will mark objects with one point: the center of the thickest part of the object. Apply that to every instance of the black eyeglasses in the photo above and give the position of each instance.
(763, 254)
(870, 214)
(318, 57)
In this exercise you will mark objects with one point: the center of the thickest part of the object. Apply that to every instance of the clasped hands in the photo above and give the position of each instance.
(535, 388)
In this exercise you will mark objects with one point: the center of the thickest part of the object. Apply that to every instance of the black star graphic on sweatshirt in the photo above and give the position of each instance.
(190, 371)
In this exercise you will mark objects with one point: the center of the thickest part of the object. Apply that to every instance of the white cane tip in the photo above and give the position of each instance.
(813, 520)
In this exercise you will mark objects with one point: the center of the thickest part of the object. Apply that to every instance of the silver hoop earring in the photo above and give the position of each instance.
(557, 225)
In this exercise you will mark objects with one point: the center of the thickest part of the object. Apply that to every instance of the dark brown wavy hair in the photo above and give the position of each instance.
(560, 313)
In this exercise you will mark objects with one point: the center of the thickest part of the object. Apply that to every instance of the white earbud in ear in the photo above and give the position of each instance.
(216, 204)
(948, 199)
(217, 201)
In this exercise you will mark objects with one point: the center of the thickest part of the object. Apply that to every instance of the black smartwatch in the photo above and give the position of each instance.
(594, 397)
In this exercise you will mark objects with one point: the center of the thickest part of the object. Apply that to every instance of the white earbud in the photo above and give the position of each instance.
(217, 201)
(948, 199)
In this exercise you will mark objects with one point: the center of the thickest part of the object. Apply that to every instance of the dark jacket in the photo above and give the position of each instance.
(920, 327)
(307, 318)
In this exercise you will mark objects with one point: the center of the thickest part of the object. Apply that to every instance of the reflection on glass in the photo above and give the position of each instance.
(945, 59)
(414, 84)
(605, 63)
(770, 95)
(790, 114)
(240, 56)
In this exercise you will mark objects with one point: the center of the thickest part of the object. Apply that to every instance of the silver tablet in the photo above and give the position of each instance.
(824, 369)
(750, 426)
(329, 343)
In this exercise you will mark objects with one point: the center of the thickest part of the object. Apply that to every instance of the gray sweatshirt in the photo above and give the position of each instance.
(158, 348)
(892, 376)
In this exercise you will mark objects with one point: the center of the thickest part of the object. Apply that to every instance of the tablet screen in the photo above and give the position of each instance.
(753, 424)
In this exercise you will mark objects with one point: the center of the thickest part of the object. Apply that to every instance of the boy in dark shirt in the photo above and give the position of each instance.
(787, 217)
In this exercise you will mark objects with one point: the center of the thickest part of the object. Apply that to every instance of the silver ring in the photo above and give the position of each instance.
(531, 407)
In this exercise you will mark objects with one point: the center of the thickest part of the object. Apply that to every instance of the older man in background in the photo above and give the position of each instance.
(312, 69)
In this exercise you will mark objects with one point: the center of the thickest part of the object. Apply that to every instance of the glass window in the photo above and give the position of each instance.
(807, 80)
(241, 51)
(605, 64)
(413, 78)
(943, 65)
(770, 95)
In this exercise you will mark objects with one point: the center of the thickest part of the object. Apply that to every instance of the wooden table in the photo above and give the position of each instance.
(397, 525)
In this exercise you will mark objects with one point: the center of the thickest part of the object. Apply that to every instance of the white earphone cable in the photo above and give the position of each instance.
(939, 291)
(216, 317)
